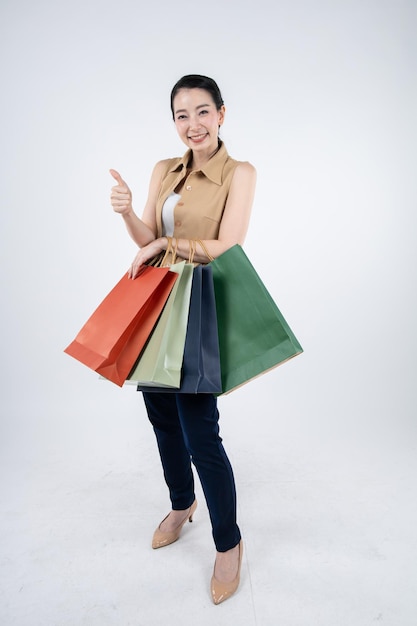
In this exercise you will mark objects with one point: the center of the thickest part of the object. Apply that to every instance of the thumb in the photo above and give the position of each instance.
(117, 177)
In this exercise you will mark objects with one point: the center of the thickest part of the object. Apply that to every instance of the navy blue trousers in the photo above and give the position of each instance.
(187, 431)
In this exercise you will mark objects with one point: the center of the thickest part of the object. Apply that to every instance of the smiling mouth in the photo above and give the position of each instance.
(198, 137)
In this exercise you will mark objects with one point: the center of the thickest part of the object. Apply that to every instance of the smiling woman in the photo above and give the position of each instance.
(203, 199)
(197, 116)
(198, 121)
(224, 192)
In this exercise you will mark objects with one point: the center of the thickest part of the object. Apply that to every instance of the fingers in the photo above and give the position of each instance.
(139, 261)
(138, 266)
(121, 184)
(135, 269)
(120, 197)
(144, 255)
(117, 177)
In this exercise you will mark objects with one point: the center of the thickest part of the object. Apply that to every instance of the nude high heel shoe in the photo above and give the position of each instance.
(161, 539)
(222, 591)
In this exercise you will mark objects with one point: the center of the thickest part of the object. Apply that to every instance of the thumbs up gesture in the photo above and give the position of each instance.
(121, 196)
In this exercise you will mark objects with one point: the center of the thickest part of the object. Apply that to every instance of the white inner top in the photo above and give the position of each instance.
(168, 214)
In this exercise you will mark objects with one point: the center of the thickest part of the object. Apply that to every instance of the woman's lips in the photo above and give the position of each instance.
(198, 138)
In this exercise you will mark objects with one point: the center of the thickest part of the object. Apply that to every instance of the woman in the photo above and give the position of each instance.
(205, 197)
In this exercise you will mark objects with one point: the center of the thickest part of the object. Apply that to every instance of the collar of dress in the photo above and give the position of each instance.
(213, 169)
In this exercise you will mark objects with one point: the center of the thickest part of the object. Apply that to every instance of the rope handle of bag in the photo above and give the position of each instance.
(161, 260)
(206, 252)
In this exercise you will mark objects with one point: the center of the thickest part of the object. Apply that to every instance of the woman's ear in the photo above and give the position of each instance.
(222, 113)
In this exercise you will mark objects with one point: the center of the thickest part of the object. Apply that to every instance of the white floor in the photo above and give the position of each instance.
(328, 518)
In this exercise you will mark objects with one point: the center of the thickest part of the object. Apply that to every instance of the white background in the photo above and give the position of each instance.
(321, 98)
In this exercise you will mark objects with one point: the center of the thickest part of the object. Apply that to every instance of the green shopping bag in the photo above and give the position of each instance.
(160, 363)
(253, 335)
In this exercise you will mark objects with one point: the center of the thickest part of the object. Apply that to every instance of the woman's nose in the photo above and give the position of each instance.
(194, 122)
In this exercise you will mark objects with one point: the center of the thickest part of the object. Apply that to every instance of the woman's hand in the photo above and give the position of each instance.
(121, 196)
(146, 254)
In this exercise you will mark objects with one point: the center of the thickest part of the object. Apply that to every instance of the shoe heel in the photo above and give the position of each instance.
(161, 539)
(192, 511)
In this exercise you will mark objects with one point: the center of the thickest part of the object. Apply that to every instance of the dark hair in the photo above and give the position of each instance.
(195, 81)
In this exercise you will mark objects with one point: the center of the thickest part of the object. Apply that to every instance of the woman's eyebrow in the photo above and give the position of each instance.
(200, 106)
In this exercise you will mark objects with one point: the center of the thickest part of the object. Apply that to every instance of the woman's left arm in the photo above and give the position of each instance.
(235, 220)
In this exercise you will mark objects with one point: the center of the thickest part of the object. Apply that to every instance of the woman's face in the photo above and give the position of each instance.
(197, 120)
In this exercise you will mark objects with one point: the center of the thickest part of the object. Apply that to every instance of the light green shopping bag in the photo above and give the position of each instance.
(161, 361)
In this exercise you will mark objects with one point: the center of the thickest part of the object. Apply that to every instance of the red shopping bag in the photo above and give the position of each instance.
(113, 337)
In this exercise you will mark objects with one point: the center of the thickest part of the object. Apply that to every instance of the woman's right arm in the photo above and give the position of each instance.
(142, 231)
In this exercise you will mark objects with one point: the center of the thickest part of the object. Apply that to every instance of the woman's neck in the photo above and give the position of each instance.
(198, 160)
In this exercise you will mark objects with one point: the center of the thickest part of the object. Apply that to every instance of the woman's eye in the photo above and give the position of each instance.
(181, 117)
(204, 112)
